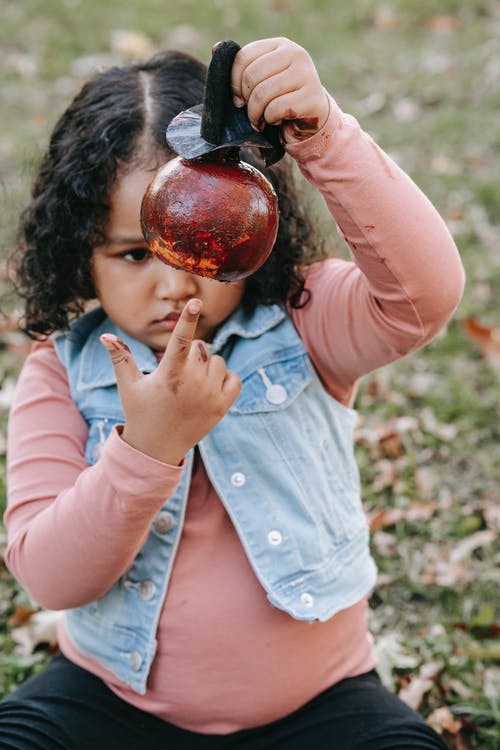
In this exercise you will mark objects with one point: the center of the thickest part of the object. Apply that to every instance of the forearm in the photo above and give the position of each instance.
(73, 529)
(402, 246)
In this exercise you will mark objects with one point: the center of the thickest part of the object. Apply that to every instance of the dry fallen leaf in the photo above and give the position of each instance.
(480, 539)
(490, 510)
(386, 475)
(185, 36)
(40, 628)
(131, 44)
(24, 64)
(418, 685)
(406, 109)
(21, 616)
(443, 164)
(386, 544)
(415, 511)
(430, 424)
(445, 567)
(460, 688)
(426, 480)
(386, 439)
(280, 6)
(442, 23)
(442, 719)
(487, 340)
(392, 655)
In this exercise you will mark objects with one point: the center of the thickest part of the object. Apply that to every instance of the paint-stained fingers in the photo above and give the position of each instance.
(202, 352)
(213, 366)
(121, 357)
(279, 83)
(199, 354)
(179, 346)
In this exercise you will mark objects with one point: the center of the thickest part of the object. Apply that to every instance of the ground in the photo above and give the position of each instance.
(423, 77)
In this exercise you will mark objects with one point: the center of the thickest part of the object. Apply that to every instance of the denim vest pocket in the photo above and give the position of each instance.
(274, 385)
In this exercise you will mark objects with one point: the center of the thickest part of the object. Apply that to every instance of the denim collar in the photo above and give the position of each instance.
(247, 326)
(95, 368)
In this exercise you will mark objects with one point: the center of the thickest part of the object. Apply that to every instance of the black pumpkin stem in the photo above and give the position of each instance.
(221, 121)
(217, 123)
(217, 104)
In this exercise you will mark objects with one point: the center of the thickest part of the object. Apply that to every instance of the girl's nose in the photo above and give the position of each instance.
(172, 283)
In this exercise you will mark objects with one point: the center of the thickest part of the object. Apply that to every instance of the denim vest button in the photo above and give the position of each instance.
(274, 537)
(135, 660)
(306, 599)
(238, 479)
(163, 522)
(276, 394)
(146, 590)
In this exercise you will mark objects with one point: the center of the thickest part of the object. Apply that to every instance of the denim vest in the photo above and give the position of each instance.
(281, 461)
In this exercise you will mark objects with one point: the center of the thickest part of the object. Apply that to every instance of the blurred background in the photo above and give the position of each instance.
(423, 78)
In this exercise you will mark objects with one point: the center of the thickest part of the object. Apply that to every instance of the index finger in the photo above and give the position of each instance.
(245, 57)
(183, 334)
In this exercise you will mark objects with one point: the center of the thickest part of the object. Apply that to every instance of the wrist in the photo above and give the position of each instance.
(142, 443)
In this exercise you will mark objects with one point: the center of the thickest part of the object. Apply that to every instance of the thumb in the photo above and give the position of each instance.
(121, 358)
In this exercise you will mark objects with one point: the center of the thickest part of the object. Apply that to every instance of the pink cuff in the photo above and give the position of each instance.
(134, 473)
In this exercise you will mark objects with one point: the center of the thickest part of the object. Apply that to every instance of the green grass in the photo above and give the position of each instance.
(429, 92)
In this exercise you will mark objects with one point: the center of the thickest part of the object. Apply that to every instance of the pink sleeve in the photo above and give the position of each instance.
(406, 278)
(73, 529)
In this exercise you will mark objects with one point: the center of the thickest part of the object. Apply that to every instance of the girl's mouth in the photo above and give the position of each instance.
(169, 321)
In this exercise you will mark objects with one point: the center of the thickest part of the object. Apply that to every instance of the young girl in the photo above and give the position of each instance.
(181, 473)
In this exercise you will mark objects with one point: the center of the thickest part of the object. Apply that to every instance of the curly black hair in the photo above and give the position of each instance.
(110, 122)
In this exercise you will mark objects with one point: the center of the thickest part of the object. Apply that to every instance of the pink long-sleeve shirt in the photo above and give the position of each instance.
(227, 659)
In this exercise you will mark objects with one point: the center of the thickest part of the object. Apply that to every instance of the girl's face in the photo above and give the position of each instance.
(140, 293)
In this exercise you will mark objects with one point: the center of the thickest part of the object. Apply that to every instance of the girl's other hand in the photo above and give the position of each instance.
(169, 410)
(279, 83)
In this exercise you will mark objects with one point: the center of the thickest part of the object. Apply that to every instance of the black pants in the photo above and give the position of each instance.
(67, 708)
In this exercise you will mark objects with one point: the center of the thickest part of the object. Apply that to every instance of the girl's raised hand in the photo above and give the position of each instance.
(168, 411)
(279, 83)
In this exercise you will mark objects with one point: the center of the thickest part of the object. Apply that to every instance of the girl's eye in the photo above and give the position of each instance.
(137, 255)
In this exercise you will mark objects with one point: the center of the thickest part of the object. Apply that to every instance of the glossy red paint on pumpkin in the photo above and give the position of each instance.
(215, 217)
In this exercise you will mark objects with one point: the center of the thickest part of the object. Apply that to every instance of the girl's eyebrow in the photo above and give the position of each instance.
(125, 240)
